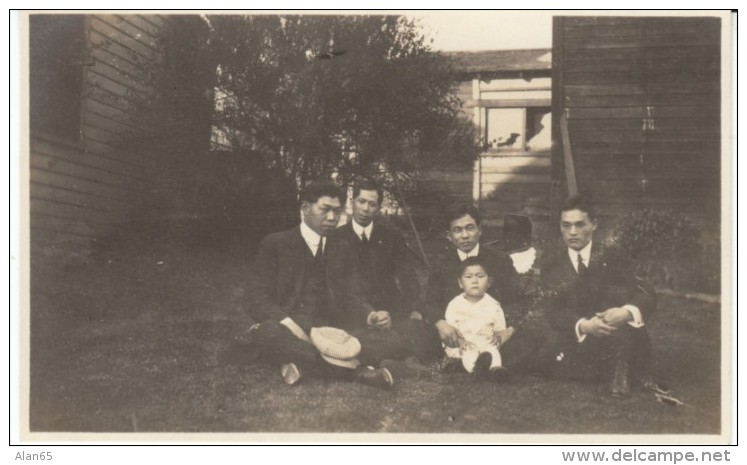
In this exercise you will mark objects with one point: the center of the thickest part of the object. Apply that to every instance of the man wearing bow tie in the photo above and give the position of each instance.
(389, 282)
(596, 305)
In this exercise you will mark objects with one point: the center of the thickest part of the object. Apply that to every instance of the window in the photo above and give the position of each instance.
(518, 129)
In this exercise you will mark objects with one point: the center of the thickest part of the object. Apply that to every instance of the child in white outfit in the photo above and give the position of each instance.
(479, 319)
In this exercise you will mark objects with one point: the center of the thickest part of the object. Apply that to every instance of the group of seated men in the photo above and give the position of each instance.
(346, 303)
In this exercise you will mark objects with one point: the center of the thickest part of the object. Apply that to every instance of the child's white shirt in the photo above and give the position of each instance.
(477, 321)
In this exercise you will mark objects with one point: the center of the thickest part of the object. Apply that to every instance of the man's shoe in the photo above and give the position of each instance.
(399, 369)
(290, 374)
(482, 365)
(451, 365)
(620, 385)
(498, 373)
(377, 377)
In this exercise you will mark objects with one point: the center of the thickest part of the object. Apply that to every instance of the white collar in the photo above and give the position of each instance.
(585, 255)
(487, 299)
(311, 238)
(472, 253)
(360, 229)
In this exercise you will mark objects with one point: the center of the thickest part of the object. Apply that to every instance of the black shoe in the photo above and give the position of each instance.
(482, 365)
(398, 368)
(451, 365)
(377, 377)
(498, 373)
(620, 386)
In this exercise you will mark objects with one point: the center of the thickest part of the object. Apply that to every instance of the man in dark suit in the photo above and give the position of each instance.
(389, 282)
(464, 233)
(301, 279)
(595, 304)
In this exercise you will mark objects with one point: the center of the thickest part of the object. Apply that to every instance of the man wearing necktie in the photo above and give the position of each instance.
(596, 305)
(389, 282)
(304, 278)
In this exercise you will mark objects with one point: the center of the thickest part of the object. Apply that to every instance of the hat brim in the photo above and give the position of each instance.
(351, 363)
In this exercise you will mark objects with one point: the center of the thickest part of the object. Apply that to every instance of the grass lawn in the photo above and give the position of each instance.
(144, 337)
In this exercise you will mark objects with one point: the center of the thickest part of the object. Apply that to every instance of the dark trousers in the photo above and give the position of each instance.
(276, 345)
(406, 338)
(596, 357)
(528, 347)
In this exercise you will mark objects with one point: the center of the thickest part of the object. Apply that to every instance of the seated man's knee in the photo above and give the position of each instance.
(269, 330)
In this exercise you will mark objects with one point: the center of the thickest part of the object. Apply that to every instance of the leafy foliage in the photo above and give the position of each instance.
(656, 234)
(386, 105)
(280, 88)
(669, 251)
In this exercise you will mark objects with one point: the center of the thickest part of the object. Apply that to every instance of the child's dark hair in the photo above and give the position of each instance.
(473, 261)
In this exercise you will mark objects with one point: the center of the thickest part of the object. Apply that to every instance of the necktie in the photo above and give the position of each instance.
(582, 268)
(319, 250)
(364, 239)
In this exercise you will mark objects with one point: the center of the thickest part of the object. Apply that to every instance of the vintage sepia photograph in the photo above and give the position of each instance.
(397, 226)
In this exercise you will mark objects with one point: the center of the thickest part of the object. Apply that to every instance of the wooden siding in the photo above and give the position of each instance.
(514, 182)
(642, 96)
(503, 181)
(81, 190)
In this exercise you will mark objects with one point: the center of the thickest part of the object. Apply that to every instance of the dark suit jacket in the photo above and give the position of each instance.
(391, 283)
(277, 277)
(443, 286)
(610, 282)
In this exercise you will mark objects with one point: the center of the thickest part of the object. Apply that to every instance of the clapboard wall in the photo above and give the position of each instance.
(642, 98)
(86, 183)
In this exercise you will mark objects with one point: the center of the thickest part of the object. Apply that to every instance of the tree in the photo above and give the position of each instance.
(350, 95)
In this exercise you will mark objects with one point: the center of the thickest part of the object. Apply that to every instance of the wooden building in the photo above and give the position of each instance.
(636, 112)
(88, 177)
(507, 94)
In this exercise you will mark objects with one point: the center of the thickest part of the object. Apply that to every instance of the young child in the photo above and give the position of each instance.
(480, 320)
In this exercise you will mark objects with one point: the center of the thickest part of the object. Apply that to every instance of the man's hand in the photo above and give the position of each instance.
(502, 336)
(449, 335)
(295, 329)
(380, 319)
(595, 327)
(615, 316)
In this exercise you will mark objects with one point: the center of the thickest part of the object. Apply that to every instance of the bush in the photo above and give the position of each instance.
(668, 250)
(656, 234)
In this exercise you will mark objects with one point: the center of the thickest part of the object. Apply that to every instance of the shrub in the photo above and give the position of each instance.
(668, 250)
(656, 234)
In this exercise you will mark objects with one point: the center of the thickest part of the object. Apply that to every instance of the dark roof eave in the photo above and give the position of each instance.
(501, 60)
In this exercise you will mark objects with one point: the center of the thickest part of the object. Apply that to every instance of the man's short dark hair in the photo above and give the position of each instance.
(368, 185)
(463, 210)
(314, 190)
(473, 261)
(579, 202)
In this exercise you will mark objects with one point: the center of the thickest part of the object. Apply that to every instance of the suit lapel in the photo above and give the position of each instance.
(375, 246)
(568, 267)
(299, 251)
(350, 234)
(596, 258)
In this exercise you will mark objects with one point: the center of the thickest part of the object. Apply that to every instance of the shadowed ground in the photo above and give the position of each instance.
(144, 337)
